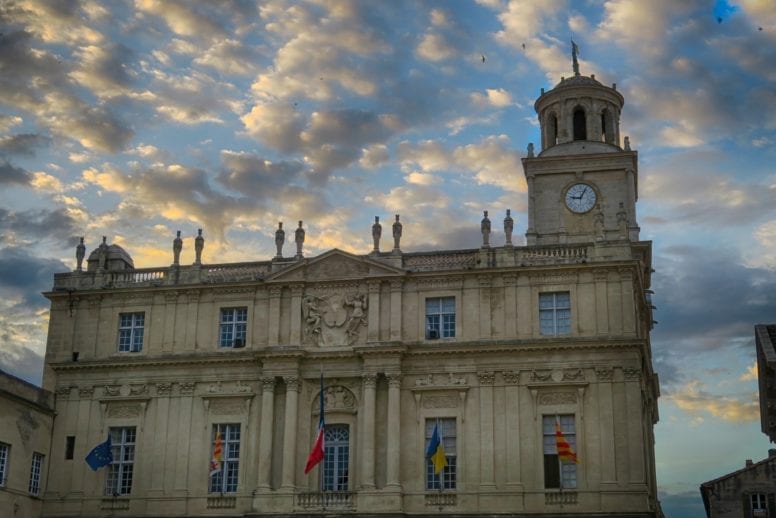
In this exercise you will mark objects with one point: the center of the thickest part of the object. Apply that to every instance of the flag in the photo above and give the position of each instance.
(101, 455)
(218, 455)
(574, 49)
(316, 454)
(565, 453)
(436, 451)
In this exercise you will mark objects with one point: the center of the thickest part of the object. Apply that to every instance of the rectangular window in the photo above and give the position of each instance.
(119, 478)
(234, 322)
(35, 470)
(555, 313)
(225, 480)
(555, 471)
(131, 332)
(446, 478)
(440, 317)
(759, 504)
(69, 447)
(5, 454)
(336, 457)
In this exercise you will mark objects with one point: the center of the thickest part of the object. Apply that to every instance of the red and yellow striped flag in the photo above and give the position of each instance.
(565, 453)
(215, 462)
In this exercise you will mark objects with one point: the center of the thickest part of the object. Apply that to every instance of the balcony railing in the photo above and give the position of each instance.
(221, 502)
(560, 498)
(441, 499)
(326, 499)
(115, 504)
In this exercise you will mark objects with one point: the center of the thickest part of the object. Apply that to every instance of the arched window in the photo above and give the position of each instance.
(605, 126)
(336, 457)
(580, 124)
(552, 130)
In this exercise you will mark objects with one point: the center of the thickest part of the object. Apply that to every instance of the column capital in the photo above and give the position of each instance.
(394, 379)
(369, 380)
(275, 291)
(373, 286)
(292, 383)
(268, 383)
(486, 378)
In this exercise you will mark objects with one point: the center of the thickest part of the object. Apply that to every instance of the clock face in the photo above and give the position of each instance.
(580, 198)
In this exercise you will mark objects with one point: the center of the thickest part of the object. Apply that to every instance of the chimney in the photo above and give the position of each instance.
(771, 453)
(749, 463)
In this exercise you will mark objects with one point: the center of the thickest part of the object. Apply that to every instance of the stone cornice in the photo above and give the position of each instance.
(160, 361)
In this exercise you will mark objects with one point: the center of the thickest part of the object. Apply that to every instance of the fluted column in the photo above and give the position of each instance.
(368, 438)
(487, 476)
(265, 437)
(274, 315)
(394, 430)
(289, 435)
(296, 315)
(373, 322)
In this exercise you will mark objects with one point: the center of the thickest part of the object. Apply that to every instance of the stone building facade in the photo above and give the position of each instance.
(26, 421)
(494, 346)
(765, 342)
(747, 493)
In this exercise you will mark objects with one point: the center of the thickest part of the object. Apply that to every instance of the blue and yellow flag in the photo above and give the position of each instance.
(436, 451)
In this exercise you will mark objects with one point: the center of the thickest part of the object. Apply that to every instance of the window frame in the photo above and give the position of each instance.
(118, 480)
(554, 310)
(336, 458)
(69, 447)
(36, 473)
(446, 325)
(448, 477)
(231, 436)
(133, 332)
(5, 459)
(567, 473)
(233, 333)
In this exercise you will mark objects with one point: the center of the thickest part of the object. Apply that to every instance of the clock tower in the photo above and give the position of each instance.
(582, 185)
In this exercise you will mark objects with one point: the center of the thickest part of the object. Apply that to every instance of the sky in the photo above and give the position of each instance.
(135, 119)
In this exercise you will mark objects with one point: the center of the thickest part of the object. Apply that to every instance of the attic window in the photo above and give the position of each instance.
(580, 124)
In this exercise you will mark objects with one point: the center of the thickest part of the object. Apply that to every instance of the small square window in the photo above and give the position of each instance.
(233, 327)
(131, 331)
(440, 318)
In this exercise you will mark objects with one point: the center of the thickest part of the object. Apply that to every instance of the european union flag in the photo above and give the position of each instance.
(101, 455)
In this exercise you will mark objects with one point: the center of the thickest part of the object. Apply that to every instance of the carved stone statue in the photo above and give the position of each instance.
(509, 225)
(485, 229)
(280, 238)
(357, 317)
(397, 226)
(80, 253)
(199, 245)
(334, 319)
(299, 239)
(530, 150)
(627, 144)
(598, 222)
(311, 317)
(622, 221)
(177, 246)
(102, 255)
(377, 231)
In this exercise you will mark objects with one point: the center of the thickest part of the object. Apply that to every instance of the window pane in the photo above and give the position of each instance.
(440, 317)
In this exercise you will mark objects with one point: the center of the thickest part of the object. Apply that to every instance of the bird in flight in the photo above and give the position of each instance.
(483, 58)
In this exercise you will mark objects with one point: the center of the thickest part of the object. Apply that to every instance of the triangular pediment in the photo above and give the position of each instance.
(335, 265)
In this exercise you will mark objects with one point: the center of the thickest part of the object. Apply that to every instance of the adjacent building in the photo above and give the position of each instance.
(747, 493)
(496, 347)
(765, 341)
(26, 420)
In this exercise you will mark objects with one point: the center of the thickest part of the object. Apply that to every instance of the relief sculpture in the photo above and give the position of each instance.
(335, 319)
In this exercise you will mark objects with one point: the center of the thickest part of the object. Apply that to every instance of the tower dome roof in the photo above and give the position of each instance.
(116, 258)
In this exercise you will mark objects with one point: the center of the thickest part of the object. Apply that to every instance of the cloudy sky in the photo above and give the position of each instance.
(134, 119)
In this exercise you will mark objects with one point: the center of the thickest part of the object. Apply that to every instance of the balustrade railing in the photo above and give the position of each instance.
(441, 499)
(326, 499)
(560, 497)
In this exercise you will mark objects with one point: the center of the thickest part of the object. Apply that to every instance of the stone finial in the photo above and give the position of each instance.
(509, 225)
(299, 240)
(397, 228)
(626, 143)
(280, 238)
(199, 245)
(531, 150)
(485, 229)
(177, 246)
(377, 231)
(80, 253)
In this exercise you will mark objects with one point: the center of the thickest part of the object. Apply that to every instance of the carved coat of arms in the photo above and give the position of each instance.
(333, 320)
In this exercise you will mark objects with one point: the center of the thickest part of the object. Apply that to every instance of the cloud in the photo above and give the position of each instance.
(255, 176)
(23, 144)
(32, 225)
(105, 69)
(693, 399)
(10, 174)
(9, 121)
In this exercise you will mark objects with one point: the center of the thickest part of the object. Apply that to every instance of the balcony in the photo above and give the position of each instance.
(441, 499)
(560, 498)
